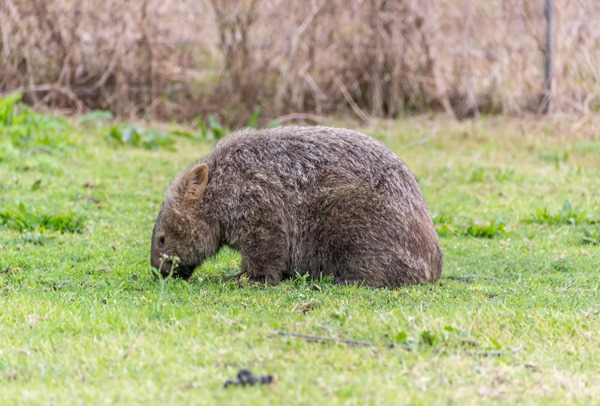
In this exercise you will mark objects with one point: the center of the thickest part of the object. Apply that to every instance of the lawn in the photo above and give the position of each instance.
(514, 318)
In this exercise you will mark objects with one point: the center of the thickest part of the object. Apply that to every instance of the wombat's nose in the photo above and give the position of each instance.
(163, 265)
(166, 267)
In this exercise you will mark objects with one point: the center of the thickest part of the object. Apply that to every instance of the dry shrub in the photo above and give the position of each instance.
(376, 57)
(86, 54)
(372, 57)
(495, 60)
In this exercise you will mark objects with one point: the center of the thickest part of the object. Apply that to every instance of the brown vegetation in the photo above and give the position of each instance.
(374, 58)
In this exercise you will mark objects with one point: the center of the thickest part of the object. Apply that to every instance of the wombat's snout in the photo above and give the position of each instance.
(162, 265)
(158, 259)
(168, 268)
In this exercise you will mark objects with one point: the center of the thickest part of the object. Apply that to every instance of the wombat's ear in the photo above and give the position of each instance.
(197, 180)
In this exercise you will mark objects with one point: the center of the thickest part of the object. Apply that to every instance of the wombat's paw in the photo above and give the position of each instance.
(265, 280)
(259, 280)
(245, 279)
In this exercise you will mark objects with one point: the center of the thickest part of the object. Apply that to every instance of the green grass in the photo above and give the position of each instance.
(514, 318)
(24, 219)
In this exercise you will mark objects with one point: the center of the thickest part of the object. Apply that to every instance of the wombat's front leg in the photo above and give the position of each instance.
(262, 266)
(264, 247)
(264, 263)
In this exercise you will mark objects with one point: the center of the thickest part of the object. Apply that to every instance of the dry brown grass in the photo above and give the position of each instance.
(372, 57)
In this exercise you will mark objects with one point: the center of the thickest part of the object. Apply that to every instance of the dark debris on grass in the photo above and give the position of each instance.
(246, 378)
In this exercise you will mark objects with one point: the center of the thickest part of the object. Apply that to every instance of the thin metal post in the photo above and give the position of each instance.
(548, 57)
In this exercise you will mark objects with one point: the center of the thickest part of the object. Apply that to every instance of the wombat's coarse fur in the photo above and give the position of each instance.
(298, 200)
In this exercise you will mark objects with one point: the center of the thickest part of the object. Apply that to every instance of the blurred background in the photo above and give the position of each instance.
(174, 60)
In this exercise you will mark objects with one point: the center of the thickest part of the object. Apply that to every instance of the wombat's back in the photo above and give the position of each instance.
(329, 201)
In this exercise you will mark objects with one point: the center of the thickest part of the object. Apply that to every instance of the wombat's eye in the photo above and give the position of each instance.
(161, 241)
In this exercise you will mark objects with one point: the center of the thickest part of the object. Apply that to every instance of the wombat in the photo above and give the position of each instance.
(300, 200)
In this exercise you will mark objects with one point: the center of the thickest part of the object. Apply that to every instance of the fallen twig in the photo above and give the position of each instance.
(321, 339)
(469, 278)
